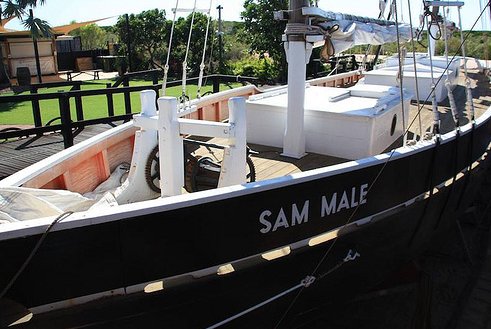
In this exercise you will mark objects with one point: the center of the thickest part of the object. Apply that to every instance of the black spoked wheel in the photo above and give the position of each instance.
(251, 172)
(152, 170)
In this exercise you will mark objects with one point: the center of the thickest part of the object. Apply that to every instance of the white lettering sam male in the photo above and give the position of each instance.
(350, 198)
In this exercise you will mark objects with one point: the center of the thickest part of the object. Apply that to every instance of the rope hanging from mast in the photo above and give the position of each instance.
(401, 71)
(202, 65)
(448, 85)
(434, 105)
(469, 102)
(415, 71)
(185, 62)
(166, 67)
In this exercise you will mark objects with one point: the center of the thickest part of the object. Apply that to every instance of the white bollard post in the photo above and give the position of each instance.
(234, 162)
(171, 152)
(147, 98)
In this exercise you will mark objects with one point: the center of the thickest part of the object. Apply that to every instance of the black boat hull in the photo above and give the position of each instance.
(391, 205)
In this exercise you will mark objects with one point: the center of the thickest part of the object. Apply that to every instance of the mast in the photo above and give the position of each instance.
(298, 53)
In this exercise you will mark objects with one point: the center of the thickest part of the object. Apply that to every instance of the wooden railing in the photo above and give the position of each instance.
(209, 108)
(338, 80)
(68, 123)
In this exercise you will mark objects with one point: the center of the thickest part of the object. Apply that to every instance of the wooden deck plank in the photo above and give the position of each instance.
(13, 159)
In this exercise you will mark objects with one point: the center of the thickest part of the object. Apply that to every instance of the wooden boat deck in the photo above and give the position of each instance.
(21, 153)
(269, 163)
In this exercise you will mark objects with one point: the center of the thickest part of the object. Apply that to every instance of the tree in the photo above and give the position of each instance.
(263, 33)
(179, 44)
(148, 34)
(92, 36)
(20, 8)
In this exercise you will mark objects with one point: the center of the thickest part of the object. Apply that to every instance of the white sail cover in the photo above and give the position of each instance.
(353, 33)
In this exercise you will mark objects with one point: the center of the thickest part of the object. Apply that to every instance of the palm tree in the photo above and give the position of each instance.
(22, 9)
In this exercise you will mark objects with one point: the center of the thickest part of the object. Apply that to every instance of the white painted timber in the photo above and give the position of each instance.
(348, 123)
(135, 187)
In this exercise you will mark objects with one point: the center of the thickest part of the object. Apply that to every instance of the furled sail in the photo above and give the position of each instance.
(344, 31)
(345, 34)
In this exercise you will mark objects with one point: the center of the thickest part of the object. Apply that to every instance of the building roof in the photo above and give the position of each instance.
(58, 30)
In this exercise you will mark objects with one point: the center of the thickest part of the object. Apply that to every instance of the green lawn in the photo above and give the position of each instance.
(94, 106)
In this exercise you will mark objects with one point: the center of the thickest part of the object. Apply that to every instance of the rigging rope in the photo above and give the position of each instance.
(202, 65)
(401, 72)
(415, 74)
(350, 255)
(469, 102)
(391, 154)
(166, 67)
(434, 105)
(305, 283)
(448, 85)
(185, 62)
(33, 252)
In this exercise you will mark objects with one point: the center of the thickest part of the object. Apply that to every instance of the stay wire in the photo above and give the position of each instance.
(391, 154)
(185, 62)
(169, 47)
(202, 65)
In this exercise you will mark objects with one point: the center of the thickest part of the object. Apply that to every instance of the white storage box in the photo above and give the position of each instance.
(388, 76)
(424, 59)
(348, 123)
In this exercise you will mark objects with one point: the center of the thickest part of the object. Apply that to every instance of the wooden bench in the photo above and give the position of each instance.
(94, 73)
(68, 74)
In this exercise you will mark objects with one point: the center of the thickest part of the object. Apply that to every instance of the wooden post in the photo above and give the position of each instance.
(127, 97)
(155, 77)
(66, 120)
(78, 104)
(36, 110)
(110, 102)
(216, 84)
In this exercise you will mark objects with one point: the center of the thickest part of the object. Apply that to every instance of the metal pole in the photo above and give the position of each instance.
(128, 41)
(220, 40)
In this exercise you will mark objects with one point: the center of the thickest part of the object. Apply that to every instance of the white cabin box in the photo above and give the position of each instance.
(441, 62)
(350, 123)
(389, 76)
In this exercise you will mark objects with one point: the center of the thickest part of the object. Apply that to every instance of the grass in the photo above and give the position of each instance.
(94, 106)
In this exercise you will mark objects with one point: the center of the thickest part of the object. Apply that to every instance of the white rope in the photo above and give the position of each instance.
(166, 67)
(304, 283)
(434, 105)
(202, 65)
(401, 74)
(469, 102)
(185, 63)
(415, 71)
(448, 85)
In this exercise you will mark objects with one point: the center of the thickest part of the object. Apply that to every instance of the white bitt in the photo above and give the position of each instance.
(135, 188)
(233, 169)
(431, 49)
(298, 55)
(171, 152)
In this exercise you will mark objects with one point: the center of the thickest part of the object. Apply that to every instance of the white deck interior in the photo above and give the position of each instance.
(347, 123)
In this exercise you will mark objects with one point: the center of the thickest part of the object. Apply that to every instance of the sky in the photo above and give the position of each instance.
(62, 12)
